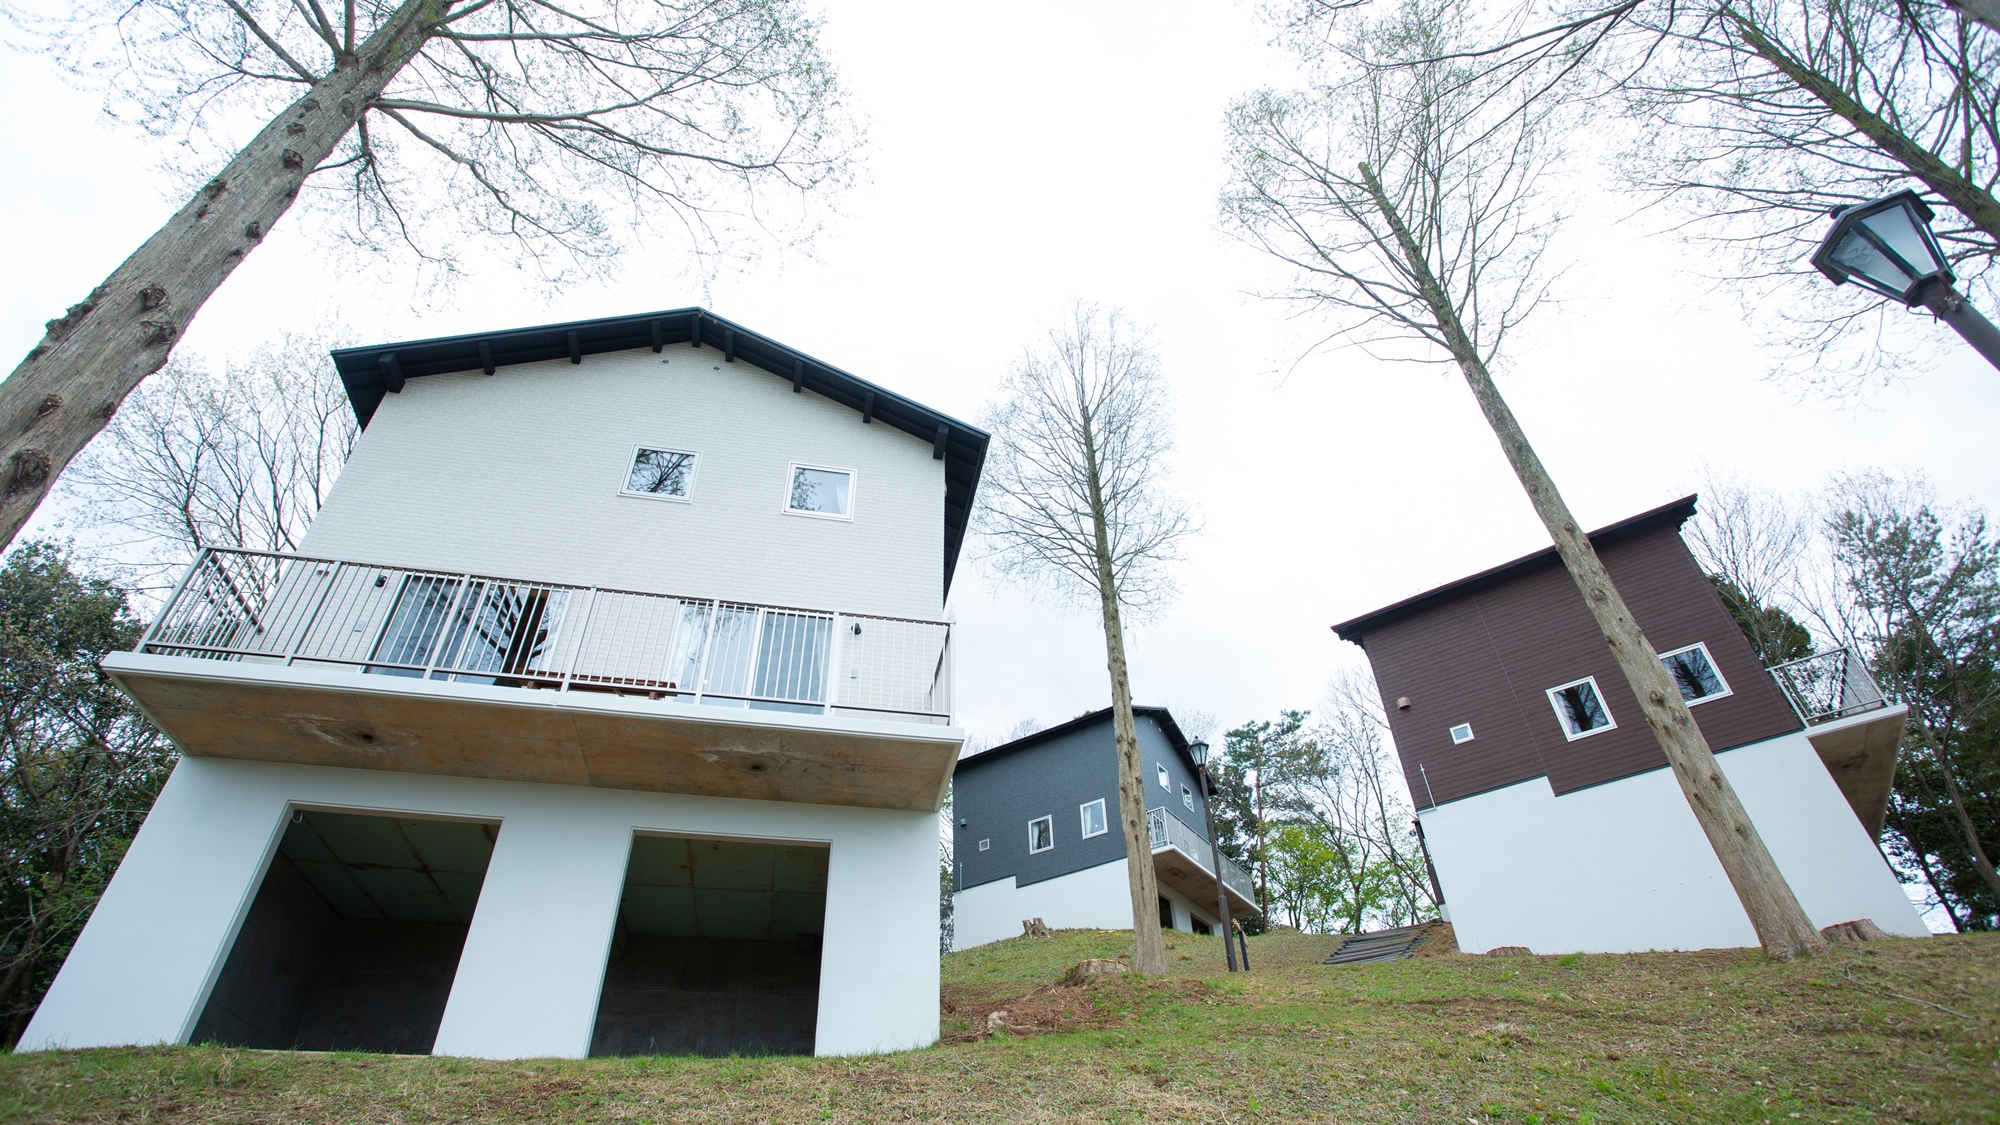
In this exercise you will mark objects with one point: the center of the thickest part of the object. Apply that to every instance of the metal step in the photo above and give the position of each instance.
(1379, 945)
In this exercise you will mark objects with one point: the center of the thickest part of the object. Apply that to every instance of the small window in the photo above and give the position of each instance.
(1461, 733)
(985, 845)
(1041, 835)
(661, 474)
(1093, 818)
(1580, 708)
(1695, 673)
(821, 492)
(1164, 783)
(1187, 798)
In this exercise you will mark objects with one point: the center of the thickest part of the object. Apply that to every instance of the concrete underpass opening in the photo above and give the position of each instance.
(354, 936)
(717, 950)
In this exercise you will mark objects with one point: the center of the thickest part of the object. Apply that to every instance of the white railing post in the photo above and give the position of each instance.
(582, 634)
(146, 638)
(707, 646)
(837, 651)
(444, 627)
(332, 579)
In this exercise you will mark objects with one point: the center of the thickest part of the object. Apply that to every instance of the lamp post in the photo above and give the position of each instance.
(1886, 245)
(1198, 750)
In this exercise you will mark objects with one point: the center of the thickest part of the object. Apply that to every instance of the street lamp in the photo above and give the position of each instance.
(1198, 750)
(1886, 245)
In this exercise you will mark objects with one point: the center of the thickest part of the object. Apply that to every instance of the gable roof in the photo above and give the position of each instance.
(1159, 715)
(372, 372)
(1666, 515)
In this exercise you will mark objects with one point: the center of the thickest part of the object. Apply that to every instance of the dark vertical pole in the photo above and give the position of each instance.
(1242, 943)
(1221, 891)
(1950, 307)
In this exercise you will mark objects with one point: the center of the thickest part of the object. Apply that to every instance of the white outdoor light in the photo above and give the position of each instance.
(1198, 750)
(1886, 245)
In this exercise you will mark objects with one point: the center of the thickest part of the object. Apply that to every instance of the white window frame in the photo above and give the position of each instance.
(1164, 783)
(985, 845)
(1467, 728)
(1562, 721)
(1083, 818)
(1712, 666)
(1051, 822)
(853, 491)
(1187, 799)
(694, 468)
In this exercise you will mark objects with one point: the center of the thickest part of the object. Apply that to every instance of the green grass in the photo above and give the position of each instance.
(1723, 1036)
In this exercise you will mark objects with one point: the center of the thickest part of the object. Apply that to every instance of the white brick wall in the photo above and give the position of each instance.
(518, 475)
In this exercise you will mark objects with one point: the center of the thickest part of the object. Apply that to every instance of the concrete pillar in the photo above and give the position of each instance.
(142, 968)
(879, 962)
(534, 959)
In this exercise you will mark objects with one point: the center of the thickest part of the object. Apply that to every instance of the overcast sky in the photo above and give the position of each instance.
(1025, 154)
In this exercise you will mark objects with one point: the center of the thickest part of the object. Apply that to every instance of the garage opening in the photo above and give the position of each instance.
(354, 936)
(716, 951)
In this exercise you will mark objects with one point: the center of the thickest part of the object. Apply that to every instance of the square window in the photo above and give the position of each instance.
(1694, 672)
(1580, 708)
(662, 474)
(1092, 815)
(1187, 798)
(821, 492)
(1164, 784)
(1461, 733)
(1041, 835)
(985, 845)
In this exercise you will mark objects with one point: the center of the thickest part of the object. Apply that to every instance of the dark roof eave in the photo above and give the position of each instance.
(1160, 715)
(1355, 629)
(366, 372)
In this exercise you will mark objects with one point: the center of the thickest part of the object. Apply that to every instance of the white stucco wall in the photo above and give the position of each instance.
(1095, 898)
(1624, 867)
(518, 475)
(534, 959)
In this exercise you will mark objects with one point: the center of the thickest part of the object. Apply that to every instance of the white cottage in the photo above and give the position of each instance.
(606, 709)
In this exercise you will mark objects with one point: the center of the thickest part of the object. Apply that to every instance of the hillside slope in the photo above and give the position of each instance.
(1862, 1034)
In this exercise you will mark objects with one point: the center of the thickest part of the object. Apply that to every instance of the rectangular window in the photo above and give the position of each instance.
(985, 845)
(1461, 733)
(1041, 835)
(1580, 708)
(1187, 798)
(821, 492)
(662, 474)
(1093, 818)
(1163, 778)
(1694, 672)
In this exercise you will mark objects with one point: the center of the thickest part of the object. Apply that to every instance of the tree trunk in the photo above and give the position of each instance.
(72, 382)
(1974, 203)
(1149, 954)
(1781, 924)
(1981, 862)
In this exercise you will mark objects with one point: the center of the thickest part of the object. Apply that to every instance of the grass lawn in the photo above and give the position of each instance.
(1683, 1037)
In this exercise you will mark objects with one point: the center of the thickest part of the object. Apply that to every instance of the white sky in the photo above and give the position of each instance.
(1028, 153)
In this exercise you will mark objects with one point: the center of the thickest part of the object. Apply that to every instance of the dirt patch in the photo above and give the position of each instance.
(1106, 1000)
(1440, 940)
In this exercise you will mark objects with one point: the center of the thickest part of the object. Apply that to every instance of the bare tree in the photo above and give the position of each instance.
(1075, 501)
(241, 458)
(1405, 194)
(417, 126)
(1761, 551)
(1750, 119)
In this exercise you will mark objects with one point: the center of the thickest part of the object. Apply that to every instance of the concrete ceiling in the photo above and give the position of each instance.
(724, 889)
(391, 867)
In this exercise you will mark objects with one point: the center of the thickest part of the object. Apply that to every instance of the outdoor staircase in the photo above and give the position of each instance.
(1381, 945)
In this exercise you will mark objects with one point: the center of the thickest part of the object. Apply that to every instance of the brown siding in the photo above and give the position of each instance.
(1487, 657)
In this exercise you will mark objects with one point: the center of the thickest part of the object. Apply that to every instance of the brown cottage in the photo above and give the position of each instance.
(1505, 704)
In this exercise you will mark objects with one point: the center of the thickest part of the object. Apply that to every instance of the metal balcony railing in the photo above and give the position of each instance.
(1167, 831)
(1831, 685)
(260, 607)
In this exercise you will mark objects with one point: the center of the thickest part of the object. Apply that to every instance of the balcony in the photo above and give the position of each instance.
(1184, 861)
(331, 662)
(1850, 723)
